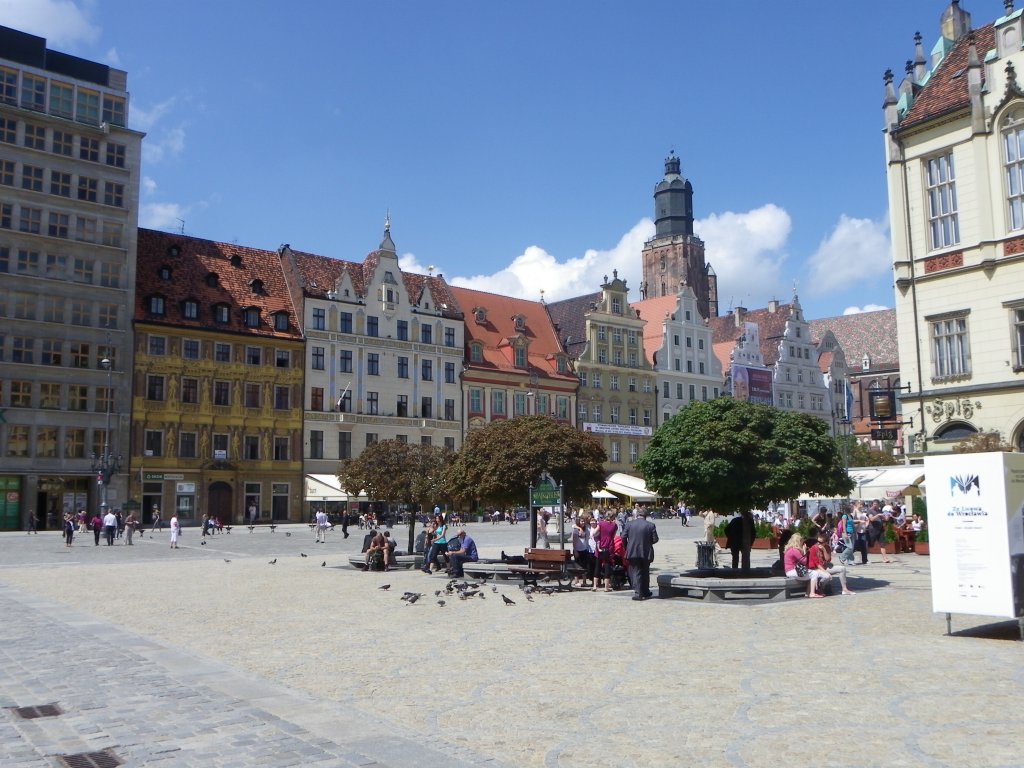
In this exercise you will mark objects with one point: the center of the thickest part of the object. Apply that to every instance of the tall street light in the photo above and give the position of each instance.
(106, 465)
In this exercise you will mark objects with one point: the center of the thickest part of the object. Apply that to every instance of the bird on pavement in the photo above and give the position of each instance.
(227, 561)
(529, 597)
(493, 588)
(323, 564)
(413, 598)
(303, 554)
(508, 600)
(437, 593)
(273, 562)
(202, 543)
(441, 603)
(287, 533)
(385, 587)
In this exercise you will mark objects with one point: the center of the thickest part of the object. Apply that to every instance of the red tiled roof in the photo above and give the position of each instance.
(771, 326)
(654, 311)
(499, 327)
(946, 89)
(569, 318)
(871, 333)
(235, 267)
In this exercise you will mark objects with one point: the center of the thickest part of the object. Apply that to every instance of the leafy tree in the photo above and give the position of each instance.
(859, 454)
(398, 472)
(731, 455)
(982, 442)
(498, 461)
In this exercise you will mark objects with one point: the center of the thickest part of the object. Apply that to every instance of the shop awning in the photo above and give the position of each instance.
(327, 488)
(627, 485)
(601, 495)
(892, 483)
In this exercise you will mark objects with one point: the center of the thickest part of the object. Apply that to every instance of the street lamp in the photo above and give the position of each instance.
(106, 465)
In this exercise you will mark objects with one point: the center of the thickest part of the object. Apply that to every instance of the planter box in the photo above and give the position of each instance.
(921, 547)
(765, 544)
(720, 540)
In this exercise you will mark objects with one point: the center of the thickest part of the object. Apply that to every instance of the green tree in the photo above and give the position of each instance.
(498, 461)
(858, 454)
(982, 442)
(398, 472)
(731, 455)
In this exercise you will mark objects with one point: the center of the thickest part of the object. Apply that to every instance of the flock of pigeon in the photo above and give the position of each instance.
(467, 591)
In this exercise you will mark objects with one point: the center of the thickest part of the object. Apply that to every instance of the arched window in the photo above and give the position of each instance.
(1013, 167)
(955, 431)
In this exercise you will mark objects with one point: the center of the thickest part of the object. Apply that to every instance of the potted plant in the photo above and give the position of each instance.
(921, 542)
(719, 532)
(891, 539)
(763, 536)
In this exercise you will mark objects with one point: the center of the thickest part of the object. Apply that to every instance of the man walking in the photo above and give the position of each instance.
(639, 537)
(321, 526)
(109, 525)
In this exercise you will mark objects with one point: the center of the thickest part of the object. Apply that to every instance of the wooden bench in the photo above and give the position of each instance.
(554, 564)
(720, 590)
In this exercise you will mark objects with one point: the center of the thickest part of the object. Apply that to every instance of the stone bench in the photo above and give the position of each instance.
(398, 561)
(714, 589)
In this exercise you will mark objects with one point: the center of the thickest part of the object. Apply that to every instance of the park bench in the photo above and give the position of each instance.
(398, 561)
(720, 590)
(554, 564)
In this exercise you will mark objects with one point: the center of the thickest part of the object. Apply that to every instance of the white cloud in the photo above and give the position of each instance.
(856, 250)
(865, 308)
(143, 119)
(166, 216)
(148, 185)
(112, 58)
(170, 143)
(746, 250)
(63, 23)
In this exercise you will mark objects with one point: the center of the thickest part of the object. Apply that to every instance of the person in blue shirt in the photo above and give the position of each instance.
(465, 554)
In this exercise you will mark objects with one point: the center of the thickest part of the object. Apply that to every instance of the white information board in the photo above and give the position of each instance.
(976, 533)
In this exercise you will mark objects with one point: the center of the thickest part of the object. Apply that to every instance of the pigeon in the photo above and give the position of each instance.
(494, 588)
(483, 596)
(529, 597)
(273, 562)
(385, 587)
(413, 598)
(227, 561)
(441, 603)
(202, 543)
(508, 600)
(303, 554)
(287, 533)
(323, 564)
(437, 593)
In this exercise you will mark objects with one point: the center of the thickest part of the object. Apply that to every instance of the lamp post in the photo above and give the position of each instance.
(106, 465)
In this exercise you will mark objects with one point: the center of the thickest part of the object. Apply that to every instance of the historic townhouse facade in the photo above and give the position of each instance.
(514, 363)
(678, 344)
(69, 191)
(616, 399)
(954, 149)
(218, 379)
(383, 357)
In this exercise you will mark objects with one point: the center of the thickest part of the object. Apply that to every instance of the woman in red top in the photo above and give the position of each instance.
(819, 557)
(606, 530)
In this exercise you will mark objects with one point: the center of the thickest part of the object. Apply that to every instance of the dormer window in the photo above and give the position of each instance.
(520, 322)
(519, 356)
(164, 273)
(190, 309)
(616, 306)
(236, 260)
(476, 353)
(865, 364)
(256, 286)
(560, 364)
(221, 314)
(211, 279)
(174, 251)
(280, 321)
(156, 305)
(389, 278)
(251, 317)
(480, 315)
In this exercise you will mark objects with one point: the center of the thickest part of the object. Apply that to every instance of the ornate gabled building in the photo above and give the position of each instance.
(954, 152)
(514, 363)
(674, 257)
(678, 344)
(616, 401)
(217, 414)
(777, 340)
(384, 350)
(69, 196)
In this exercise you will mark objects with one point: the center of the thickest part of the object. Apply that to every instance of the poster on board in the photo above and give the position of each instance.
(976, 533)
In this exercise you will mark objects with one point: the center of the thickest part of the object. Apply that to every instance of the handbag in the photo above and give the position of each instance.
(801, 570)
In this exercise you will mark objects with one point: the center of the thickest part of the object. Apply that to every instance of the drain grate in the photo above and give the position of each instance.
(41, 710)
(104, 759)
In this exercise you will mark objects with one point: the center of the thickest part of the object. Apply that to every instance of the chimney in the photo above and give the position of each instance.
(739, 313)
(773, 306)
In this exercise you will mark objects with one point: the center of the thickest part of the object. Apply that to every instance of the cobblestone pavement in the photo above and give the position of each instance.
(178, 658)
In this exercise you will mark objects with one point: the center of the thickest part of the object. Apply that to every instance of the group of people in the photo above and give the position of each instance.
(107, 523)
(810, 560)
(439, 544)
(212, 525)
(613, 547)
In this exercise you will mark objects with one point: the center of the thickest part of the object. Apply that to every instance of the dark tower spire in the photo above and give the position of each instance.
(673, 202)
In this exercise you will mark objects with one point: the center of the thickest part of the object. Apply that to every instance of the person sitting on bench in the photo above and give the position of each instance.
(379, 543)
(466, 553)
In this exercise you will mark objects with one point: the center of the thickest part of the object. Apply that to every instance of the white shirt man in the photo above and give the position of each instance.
(321, 527)
(109, 526)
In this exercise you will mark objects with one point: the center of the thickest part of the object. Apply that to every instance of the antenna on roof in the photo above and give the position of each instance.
(181, 229)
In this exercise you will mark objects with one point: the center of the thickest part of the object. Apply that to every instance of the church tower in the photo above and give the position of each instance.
(674, 257)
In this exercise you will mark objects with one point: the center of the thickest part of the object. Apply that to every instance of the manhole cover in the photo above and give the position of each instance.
(42, 710)
(104, 759)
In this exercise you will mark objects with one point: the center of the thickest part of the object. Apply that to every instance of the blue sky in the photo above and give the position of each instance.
(517, 144)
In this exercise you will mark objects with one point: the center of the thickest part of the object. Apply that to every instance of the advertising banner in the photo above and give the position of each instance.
(976, 533)
(753, 384)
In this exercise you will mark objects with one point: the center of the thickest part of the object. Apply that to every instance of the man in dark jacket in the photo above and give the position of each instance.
(639, 537)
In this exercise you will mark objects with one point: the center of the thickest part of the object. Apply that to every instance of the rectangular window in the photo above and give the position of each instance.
(253, 356)
(449, 337)
(281, 451)
(8, 130)
(595, 380)
(613, 414)
(17, 441)
(665, 389)
(282, 358)
(154, 442)
(372, 403)
(251, 448)
(79, 355)
(402, 406)
(24, 306)
(345, 322)
(282, 398)
(1018, 337)
(372, 364)
(154, 387)
(316, 444)
(113, 234)
(107, 315)
(51, 352)
(426, 334)
(449, 373)
(32, 178)
(647, 417)
(59, 225)
(520, 357)
(158, 345)
(317, 358)
(476, 400)
(943, 222)
(74, 443)
(344, 403)
(49, 395)
(616, 451)
(35, 136)
(187, 445)
(222, 352)
(427, 408)
(371, 439)
(113, 109)
(8, 85)
(950, 348)
(190, 390)
(115, 154)
(613, 382)
(7, 173)
(88, 107)
(62, 143)
(221, 393)
(634, 453)
(319, 319)
(87, 189)
(427, 370)
(23, 350)
(403, 367)
(344, 445)
(110, 275)
(693, 392)
(597, 412)
(1013, 159)
(113, 194)
(632, 416)
(252, 395)
(402, 330)
(316, 398)
(78, 397)
(497, 402)
(85, 229)
(372, 326)
(190, 349)
(30, 220)
(345, 361)
(449, 409)
(80, 313)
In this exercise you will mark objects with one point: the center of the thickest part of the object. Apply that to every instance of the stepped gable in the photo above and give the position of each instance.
(654, 312)
(570, 322)
(870, 333)
(772, 325)
(946, 88)
(494, 333)
(245, 278)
